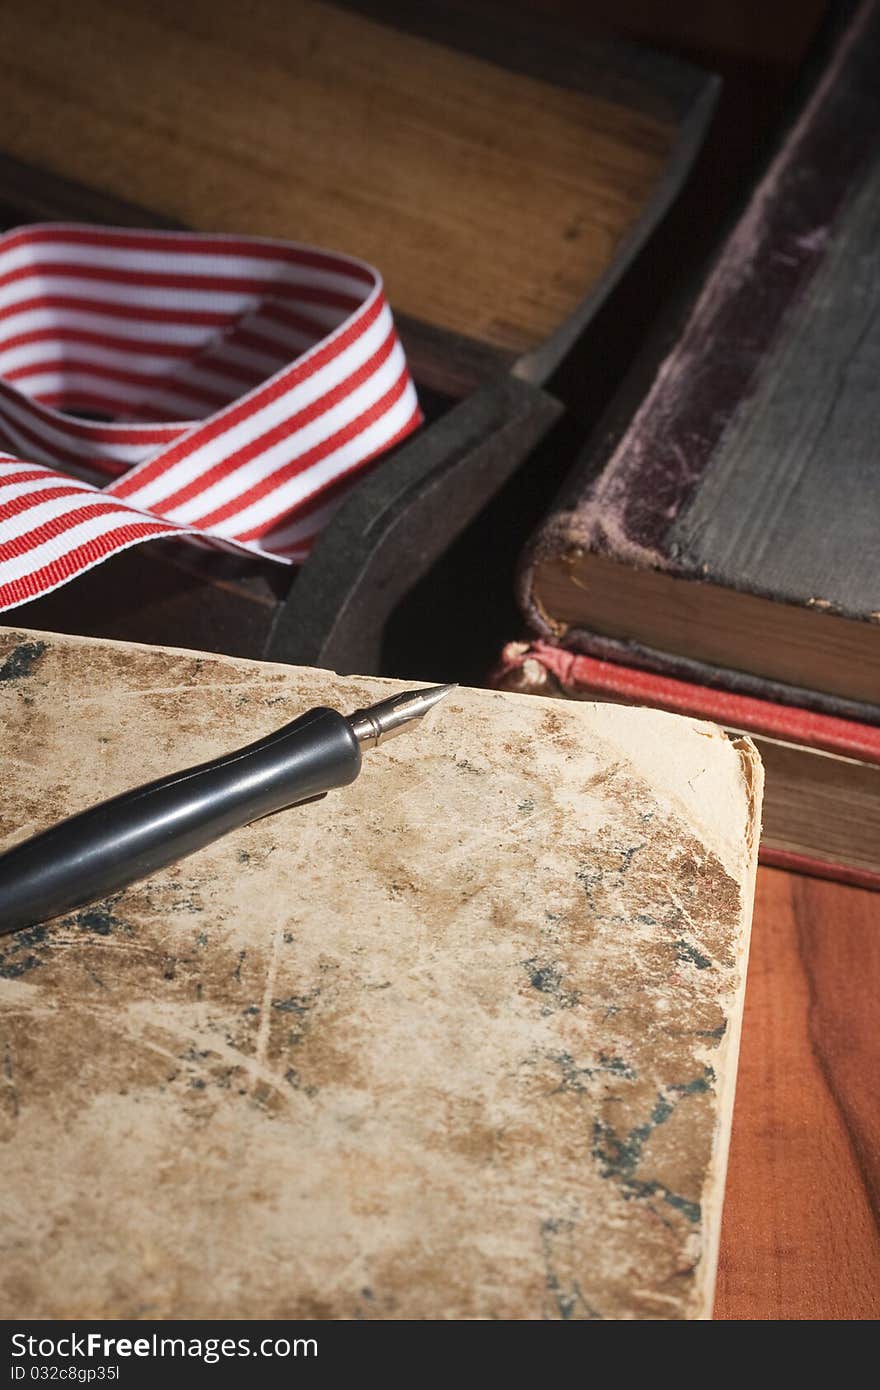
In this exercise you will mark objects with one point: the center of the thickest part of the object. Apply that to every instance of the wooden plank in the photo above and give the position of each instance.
(800, 1234)
(211, 605)
(505, 198)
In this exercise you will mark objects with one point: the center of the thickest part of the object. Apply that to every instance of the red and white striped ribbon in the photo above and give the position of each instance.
(278, 367)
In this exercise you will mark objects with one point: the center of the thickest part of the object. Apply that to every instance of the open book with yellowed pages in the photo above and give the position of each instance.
(457, 1041)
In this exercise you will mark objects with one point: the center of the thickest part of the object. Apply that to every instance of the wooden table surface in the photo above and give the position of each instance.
(801, 1236)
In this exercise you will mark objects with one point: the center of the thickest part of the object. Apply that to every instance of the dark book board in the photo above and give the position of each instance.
(723, 521)
(395, 133)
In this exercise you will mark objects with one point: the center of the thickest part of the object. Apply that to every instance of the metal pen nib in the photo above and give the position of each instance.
(391, 717)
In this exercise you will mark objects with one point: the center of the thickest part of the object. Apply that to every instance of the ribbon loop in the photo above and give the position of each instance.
(168, 383)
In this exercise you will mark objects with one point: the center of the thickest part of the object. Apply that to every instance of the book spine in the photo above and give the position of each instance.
(818, 868)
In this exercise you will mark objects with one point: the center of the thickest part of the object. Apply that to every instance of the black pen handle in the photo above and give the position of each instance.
(129, 837)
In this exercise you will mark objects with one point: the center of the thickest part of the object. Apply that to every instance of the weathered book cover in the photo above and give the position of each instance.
(747, 467)
(458, 1041)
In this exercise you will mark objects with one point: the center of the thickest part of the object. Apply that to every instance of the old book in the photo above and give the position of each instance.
(457, 1042)
(724, 525)
(822, 793)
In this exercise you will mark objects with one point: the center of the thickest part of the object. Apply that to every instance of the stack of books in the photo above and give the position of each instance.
(717, 549)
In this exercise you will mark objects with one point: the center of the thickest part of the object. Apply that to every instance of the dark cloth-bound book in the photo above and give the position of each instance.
(724, 523)
(822, 798)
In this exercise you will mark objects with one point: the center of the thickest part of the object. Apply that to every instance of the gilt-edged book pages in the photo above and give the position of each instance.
(458, 1041)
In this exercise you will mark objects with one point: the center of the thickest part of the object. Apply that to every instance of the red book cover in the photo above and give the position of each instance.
(541, 668)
